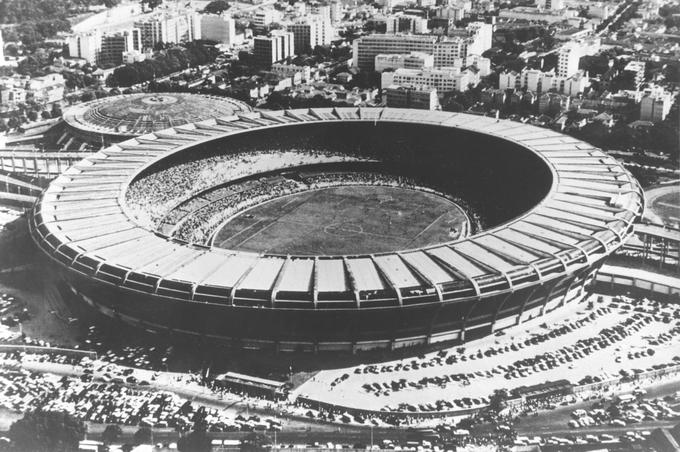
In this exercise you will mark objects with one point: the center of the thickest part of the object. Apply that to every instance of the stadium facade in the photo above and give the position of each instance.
(535, 259)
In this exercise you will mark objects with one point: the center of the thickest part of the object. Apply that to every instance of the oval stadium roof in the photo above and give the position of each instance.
(81, 221)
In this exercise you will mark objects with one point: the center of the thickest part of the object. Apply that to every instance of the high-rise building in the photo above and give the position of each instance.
(568, 59)
(655, 105)
(265, 18)
(114, 45)
(638, 70)
(451, 12)
(271, 49)
(107, 48)
(311, 32)
(85, 46)
(450, 53)
(321, 9)
(336, 11)
(218, 28)
(367, 47)
(404, 23)
(454, 51)
(570, 54)
(481, 35)
(410, 96)
(169, 27)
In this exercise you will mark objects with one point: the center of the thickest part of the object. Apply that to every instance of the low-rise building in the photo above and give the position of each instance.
(413, 60)
(536, 14)
(443, 79)
(298, 74)
(17, 89)
(553, 103)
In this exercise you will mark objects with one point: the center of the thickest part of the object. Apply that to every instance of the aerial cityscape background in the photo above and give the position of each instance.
(417, 225)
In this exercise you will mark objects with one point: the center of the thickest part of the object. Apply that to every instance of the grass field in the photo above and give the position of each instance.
(344, 220)
(667, 206)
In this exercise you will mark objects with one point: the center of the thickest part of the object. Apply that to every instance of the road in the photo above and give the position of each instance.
(554, 422)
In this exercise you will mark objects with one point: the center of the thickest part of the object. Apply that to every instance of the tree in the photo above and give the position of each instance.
(111, 433)
(196, 441)
(216, 7)
(497, 400)
(13, 122)
(142, 436)
(151, 4)
(254, 442)
(49, 431)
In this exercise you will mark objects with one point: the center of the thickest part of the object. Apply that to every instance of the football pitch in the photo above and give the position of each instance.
(345, 220)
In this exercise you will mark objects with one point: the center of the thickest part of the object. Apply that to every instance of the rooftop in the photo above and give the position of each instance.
(136, 114)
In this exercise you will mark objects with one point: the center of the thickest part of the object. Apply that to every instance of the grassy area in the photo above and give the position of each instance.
(344, 220)
(667, 206)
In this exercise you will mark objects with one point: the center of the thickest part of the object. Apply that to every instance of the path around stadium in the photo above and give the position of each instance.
(653, 194)
(182, 385)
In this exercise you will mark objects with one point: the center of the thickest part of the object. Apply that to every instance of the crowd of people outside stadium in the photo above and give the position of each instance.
(22, 390)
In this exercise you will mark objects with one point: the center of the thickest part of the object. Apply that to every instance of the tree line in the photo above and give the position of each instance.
(169, 61)
(36, 20)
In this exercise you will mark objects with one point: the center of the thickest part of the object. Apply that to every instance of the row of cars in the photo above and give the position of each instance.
(518, 369)
(623, 411)
(570, 440)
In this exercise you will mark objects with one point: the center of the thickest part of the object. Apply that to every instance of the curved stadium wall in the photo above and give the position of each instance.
(537, 255)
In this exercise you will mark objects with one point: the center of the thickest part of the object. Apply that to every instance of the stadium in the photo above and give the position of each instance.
(339, 229)
(102, 122)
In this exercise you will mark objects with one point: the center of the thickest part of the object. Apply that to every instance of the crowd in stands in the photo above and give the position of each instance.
(199, 195)
(197, 219)
(199, 225)
(153, 195)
